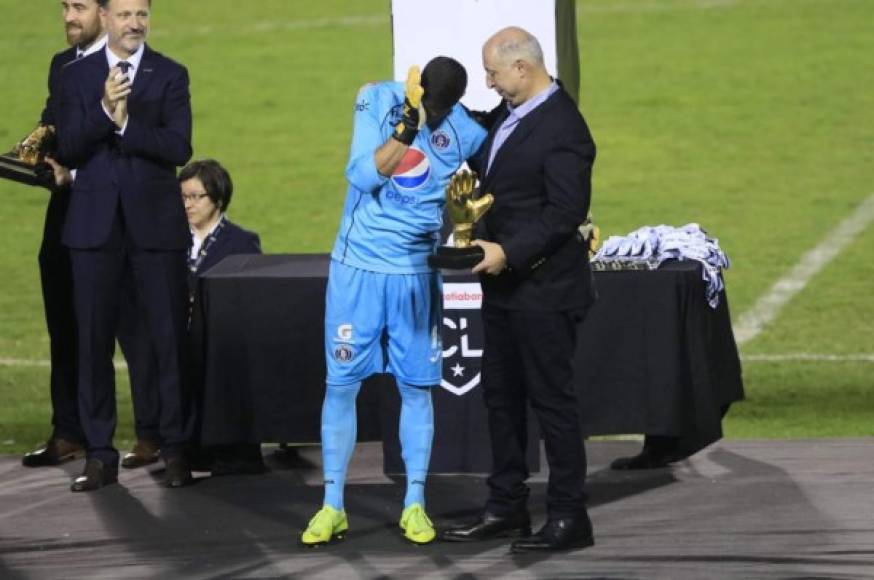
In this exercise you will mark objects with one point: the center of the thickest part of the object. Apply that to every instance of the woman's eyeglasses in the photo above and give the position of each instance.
(193, 196)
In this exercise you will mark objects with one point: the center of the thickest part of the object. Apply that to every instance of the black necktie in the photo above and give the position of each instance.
(124, 66)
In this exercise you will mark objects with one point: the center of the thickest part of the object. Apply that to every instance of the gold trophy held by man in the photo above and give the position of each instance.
(26, 162)
(465, 208)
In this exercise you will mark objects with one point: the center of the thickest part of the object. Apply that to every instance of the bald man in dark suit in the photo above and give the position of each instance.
(537, 286)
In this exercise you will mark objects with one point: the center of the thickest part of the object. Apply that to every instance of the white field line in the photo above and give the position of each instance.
(808, 356)
(23, 362)
(654, 6)
(279, 25)
(641, 7)
(120, 365)
(754, 320)
(375, 20)
(766, 309)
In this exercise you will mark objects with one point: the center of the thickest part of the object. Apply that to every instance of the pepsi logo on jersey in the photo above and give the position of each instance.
(413, 171)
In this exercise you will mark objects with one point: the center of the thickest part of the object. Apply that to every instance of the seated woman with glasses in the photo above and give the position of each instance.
(206, 192)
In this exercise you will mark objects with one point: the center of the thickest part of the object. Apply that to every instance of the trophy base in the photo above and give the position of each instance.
(450, 258)
(16, 170)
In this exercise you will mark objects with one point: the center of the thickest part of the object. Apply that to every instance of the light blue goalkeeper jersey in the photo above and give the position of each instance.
(391, 224)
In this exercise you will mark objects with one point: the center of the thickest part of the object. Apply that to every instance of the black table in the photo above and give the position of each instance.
(653, 358)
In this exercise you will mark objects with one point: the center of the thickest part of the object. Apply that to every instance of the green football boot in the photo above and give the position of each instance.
(326, 526)
(416, 525)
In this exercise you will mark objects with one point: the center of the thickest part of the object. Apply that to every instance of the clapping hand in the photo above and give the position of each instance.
(115, 92)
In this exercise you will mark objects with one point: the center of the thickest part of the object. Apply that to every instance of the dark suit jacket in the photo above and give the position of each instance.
(232, 240)
(541, 181)
(51, 113)
(52, 250)
(136, 170)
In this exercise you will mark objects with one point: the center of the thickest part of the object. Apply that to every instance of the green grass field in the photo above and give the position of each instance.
(750, 117)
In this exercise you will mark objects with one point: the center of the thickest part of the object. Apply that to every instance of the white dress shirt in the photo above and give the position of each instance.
(196, 243)
(95, 46)
(134, 61)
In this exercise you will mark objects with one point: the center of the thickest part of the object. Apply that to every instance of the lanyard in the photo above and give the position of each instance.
(194, 263)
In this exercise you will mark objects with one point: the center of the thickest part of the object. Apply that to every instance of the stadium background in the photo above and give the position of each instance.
(750, 117)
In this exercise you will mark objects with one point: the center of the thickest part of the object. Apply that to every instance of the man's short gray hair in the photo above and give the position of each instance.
(525, 47)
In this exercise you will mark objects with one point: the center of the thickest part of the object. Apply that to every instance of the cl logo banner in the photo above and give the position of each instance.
(461, 363)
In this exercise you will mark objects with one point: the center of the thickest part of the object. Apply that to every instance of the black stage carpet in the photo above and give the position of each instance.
(752, 509)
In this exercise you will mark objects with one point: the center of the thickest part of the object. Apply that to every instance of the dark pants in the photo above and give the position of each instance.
(56, 276)
(160, 279)
(528, 358)
(142, 364)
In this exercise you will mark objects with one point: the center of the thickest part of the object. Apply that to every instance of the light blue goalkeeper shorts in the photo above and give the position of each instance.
(377, 323)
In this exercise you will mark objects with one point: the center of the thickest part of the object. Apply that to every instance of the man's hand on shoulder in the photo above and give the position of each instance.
(485, 119)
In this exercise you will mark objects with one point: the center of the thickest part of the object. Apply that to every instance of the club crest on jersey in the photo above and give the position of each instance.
(344, 353)
(413, 171)
(440, 140)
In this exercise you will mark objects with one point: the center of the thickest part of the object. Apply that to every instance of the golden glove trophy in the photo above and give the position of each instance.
(591, 234)
(26, 162)
(464, 210)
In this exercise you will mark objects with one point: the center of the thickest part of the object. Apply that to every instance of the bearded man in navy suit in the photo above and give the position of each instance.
(125, 126)
(85, 36)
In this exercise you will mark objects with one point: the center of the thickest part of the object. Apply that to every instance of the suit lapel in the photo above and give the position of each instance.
(490, 140)
(99, 65)
(69, 56)
(519, 134)
(145, 73)
(94, 71)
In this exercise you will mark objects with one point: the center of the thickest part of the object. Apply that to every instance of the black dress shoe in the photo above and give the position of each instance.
(54, 452)
(658, 451)
(95, 476)
(490, 526)
(143, 453)
(178, 472)
(558, 534)
(642, 460)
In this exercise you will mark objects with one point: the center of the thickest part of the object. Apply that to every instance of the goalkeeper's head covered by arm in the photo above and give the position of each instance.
(392, 222)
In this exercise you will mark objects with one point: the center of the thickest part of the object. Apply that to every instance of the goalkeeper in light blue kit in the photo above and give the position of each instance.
(383, 303)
